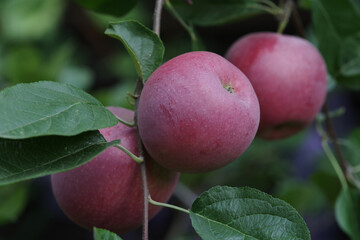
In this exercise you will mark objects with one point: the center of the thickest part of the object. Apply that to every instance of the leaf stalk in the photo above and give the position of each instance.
(160, 204)
(126, 123)
(130, 154)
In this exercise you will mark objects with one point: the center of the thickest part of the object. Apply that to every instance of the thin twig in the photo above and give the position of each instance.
(145, 229)
(141, 149)
(157, 16)
(297, 20)
(145, 232)
(332, 134)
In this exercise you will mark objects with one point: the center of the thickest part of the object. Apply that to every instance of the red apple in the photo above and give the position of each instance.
(197, 112)
(107, 192)
(289, 78)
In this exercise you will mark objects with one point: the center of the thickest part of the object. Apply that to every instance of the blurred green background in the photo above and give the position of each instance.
(58, 40)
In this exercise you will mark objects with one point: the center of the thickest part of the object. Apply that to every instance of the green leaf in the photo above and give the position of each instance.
(347, 212)
(352, 155)
(113, 7)
(347, 207)
(23, 159)
(50, 108)
(245, 213)
(350, 56)
(334, 21)
(144, 46)
(210, 12)
(13, 199)
(328, 38)
(355, 139)
(102, 234)
(349, 62)
(351, 68)
(343, 16)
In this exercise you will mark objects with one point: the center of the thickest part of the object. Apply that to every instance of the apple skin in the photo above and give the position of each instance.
(107, 191)
(188, 121)
(289, 77)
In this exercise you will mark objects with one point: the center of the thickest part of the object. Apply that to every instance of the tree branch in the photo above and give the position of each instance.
(141, 149)
(332, 134)
(157, 16)
(297, 20)
(145, 230)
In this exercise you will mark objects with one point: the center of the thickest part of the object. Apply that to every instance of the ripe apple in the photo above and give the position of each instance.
(289, 78)
(197, 112)
(107, 191)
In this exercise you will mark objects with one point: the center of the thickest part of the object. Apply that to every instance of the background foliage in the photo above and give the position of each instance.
(59, 41)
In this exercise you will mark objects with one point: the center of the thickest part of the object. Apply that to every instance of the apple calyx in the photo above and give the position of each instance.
(228, 87)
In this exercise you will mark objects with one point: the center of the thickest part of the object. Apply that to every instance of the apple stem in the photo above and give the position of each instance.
(160, 204)
(129, 124)
(284, 17)
(130, 154)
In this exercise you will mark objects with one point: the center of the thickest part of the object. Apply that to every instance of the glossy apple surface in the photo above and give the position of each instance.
(289, 77)
(107, 192)
(197, 112)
